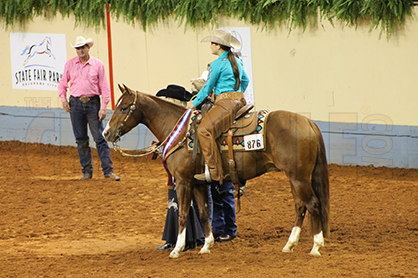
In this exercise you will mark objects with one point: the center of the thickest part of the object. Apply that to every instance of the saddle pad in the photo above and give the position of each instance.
(237, 141)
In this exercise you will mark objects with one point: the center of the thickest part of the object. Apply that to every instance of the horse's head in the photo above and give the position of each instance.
(46, 40)
(122, 120)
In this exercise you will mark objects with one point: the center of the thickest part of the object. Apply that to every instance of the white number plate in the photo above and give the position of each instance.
(253, 142)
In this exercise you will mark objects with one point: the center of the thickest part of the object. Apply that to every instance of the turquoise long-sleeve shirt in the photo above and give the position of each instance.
(221, 79)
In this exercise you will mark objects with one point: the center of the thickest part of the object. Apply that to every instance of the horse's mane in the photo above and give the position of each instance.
(155, 103)
(160, 99)
(171, 102)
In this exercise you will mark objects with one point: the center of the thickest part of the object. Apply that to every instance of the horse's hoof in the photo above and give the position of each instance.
(204, 251)
(210, 245)
(174, 254)
(287, 250)
(315, 253)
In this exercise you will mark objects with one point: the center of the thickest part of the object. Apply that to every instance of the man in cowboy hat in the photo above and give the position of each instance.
(88, 82)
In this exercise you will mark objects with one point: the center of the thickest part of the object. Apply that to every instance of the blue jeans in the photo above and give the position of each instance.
(223, 219)
(81, 115)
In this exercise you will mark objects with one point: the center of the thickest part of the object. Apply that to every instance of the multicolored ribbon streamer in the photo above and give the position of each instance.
(173, 137)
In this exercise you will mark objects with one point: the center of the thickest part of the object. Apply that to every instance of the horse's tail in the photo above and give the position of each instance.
(27, 48)
(320, 181)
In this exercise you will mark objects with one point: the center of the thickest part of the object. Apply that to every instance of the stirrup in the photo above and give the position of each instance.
(204, 176)
(207, 174)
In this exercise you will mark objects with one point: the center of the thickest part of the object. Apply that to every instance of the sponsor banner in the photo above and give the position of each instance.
(37, 60)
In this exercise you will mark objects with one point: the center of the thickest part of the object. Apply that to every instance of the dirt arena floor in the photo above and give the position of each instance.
(54, 225)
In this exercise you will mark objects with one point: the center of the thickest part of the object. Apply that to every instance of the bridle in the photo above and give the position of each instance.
(150, 149)
(132, 108)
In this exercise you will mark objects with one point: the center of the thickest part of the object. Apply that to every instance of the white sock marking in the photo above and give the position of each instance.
(293, 239)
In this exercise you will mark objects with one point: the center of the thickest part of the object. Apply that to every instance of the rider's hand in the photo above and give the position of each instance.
(190, 105)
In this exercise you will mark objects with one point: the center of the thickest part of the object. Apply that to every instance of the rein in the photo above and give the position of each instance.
(152, 148)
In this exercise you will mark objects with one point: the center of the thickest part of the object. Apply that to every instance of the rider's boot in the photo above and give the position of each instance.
(204, 176)
(200, 177)
(209, 175)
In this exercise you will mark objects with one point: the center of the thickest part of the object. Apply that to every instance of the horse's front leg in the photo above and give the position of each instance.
(180, 244)
(184, 199)
(201, 196)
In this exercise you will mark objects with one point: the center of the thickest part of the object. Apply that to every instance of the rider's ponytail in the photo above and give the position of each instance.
(234, 64)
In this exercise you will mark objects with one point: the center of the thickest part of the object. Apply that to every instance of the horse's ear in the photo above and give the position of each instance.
(121, 88)
(127, 89)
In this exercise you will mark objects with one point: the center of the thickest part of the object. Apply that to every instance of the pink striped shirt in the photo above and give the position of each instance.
(85, 80)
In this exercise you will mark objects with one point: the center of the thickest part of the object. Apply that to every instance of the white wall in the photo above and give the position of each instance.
(330, 74)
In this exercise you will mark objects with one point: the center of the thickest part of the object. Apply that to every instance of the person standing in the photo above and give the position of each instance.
(194, 229)
(224, 227)
(88, 81)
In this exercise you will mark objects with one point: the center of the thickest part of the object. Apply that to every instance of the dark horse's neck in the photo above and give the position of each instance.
(159, 115)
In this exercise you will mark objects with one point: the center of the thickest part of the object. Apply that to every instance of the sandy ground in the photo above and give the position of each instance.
(54, 225)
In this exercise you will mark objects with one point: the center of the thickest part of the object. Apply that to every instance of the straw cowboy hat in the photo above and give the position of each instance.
(223, 37)
(80, 41)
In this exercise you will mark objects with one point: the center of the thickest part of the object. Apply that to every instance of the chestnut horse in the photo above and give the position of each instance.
(293, 144)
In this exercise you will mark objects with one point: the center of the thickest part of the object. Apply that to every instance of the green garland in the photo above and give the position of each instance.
(389, 15)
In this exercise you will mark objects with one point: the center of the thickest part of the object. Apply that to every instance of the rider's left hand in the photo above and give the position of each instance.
(190, 105)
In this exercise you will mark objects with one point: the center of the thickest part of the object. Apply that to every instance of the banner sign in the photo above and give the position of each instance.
(37, 60)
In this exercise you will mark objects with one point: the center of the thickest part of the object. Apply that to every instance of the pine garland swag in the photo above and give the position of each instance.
(388, 15)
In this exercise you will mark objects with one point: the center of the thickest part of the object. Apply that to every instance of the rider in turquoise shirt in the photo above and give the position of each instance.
(228, 80)
(222, 79)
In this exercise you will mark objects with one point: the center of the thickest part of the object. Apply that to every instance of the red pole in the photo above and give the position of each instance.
(109, 46)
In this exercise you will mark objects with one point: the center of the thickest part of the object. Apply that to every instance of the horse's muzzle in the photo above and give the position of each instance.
(110, 136)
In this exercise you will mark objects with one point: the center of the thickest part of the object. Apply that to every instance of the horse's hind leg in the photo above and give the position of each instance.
(305, 200)
(314, 211)
(294, 235)
(313, 207)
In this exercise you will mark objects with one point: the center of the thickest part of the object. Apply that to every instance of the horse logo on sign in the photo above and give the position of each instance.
(38, 60)
(43, 48)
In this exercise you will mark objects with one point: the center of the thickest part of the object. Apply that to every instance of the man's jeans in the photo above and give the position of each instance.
(224, 215)
(81, 115)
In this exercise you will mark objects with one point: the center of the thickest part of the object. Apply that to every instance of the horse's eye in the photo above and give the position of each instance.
(123, 109)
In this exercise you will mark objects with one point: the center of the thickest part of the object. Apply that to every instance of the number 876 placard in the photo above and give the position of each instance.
(254, 142)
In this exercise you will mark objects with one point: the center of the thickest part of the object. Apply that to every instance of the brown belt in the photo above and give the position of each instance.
(85, 99)
(230, 95)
